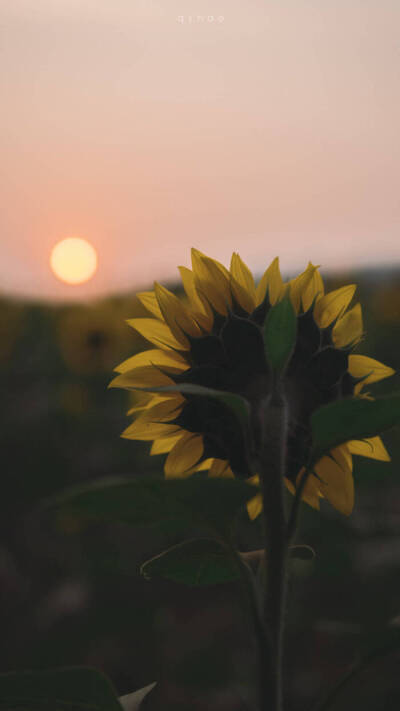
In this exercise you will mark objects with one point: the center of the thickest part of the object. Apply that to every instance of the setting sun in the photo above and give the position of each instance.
(73, 260)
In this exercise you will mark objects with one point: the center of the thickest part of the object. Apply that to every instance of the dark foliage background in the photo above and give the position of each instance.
(72, 594)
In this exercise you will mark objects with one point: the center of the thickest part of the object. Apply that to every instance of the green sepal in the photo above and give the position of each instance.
(279, 333)
(197, 562)
(351, 418)
(68, 689)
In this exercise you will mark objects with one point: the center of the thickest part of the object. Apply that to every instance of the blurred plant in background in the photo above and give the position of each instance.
(93, 337)
(11, 322)
(386, 305)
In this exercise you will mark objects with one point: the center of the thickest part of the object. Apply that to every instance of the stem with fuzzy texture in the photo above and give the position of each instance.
(273, 452)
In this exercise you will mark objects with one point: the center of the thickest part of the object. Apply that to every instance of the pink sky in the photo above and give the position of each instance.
(149, 126)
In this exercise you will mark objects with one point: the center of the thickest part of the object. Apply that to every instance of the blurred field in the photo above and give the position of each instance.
(72, 594)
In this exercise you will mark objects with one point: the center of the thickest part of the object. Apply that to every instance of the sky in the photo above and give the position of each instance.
(267, 127)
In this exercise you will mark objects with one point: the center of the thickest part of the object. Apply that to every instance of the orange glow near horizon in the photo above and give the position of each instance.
(73, 260)
(263, 131)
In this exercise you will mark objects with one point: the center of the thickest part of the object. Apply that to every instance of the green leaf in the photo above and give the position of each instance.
(352, 418)
(201, 561)
(147, 500)
(280, 330)
(69, 689)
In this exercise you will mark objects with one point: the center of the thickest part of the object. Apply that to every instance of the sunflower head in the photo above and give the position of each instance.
(213, 337)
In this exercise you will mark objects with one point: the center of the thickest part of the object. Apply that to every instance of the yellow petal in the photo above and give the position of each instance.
(336, 484)
(255, 506)
(145, 426)
(204, 465)
(333, 304)
(290, 486)
(369, 368)
(349, 328)
(140, 404)
(199, 305)
(218, 264)
(162, 411)
(299, 285)
(165, 444)
(314, 290)
(189, 286)
(165, 359)
(151, 400)
(343, 457)
(184, 455)
(144, 430)
(364, 396)
(149, 301)
(133, 410)
(212, 281)
(175, 314)
(145, 377)
(242, 284)
(220, 468)
(140, 399)
(311, 494)
(201, 466)
(157, 332)
(272, 281)
(372, 447)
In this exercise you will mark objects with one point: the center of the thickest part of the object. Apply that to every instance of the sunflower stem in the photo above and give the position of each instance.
(294, 513)
(252, 594)
(272, 456)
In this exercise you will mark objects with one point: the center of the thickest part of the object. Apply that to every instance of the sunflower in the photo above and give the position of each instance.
(213, 337)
